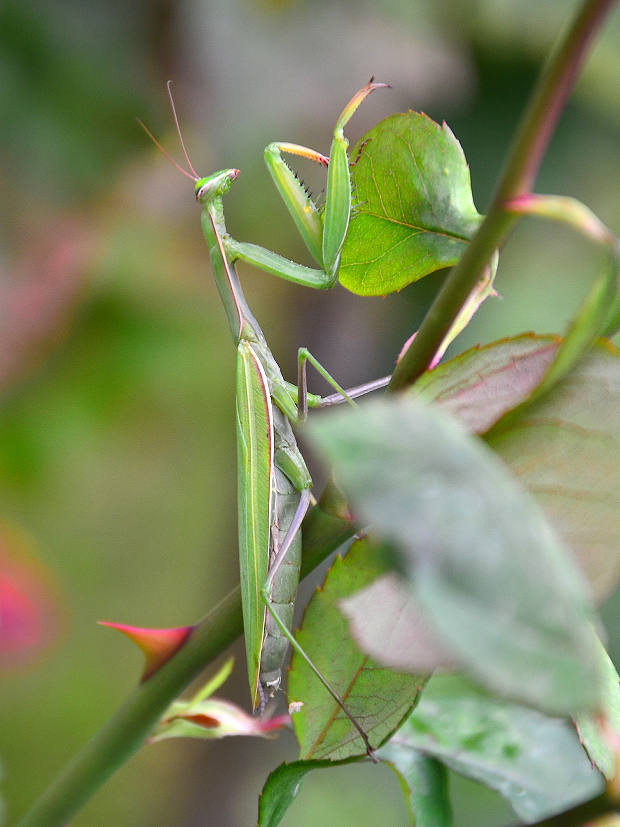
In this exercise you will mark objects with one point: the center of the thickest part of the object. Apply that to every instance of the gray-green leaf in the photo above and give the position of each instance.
(534, 761)
(475, 550)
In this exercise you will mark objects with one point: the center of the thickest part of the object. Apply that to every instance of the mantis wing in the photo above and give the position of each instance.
(255, 452)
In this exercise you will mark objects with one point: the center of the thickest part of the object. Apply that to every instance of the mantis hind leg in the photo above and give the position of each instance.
(278, 614)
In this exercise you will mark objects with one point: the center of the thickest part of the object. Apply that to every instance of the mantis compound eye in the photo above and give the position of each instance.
(201, 193)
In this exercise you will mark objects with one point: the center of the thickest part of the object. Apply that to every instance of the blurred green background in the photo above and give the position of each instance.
(117, 455)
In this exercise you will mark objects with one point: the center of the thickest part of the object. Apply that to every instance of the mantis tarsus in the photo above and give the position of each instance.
(273, 480)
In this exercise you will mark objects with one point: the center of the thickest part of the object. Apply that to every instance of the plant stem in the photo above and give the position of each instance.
(326, 527)
(537, 124)
(125, 731)
(550, 95)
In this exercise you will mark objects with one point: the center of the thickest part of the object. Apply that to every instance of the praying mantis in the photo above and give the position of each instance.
(273, 480)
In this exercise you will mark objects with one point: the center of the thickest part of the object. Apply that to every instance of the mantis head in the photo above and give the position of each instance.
(216, 185)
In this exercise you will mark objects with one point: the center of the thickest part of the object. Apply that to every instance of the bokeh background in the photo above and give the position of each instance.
(117, 455)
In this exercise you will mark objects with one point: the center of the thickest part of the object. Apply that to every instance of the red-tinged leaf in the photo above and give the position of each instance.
(212, 719)
(482, 384)
(205, 717)
(30, 609)
(564, 447)
(377, 697)
(158, 645)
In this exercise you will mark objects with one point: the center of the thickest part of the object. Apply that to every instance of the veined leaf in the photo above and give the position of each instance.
(535, 762)
(415, 212)
(564, 447)
(482, 384)
(377, 697)
(474, 548)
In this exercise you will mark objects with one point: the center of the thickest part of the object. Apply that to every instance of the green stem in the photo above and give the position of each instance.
(125, 732)
(326, 527)
(450, 299)
(535, 130)
(550, 95)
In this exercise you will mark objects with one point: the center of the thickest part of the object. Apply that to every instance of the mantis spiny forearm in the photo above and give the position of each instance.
(322, 231)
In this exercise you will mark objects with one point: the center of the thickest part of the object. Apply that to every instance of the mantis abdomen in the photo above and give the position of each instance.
(286, 500)
(272, 475)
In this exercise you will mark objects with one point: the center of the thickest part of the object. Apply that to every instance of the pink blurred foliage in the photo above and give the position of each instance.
(40, 293)
(38, 297)
(31, 609)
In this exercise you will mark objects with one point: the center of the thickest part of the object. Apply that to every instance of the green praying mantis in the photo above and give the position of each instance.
(273, 480)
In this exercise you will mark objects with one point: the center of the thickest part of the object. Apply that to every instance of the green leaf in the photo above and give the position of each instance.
(424, 782)
(535, 762)
(415, 210)
(378, 698)
(563, 447)
(283, 786)
(600, 733)
(475, 549)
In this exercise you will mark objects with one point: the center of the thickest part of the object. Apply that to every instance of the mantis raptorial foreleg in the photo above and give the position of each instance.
(322, 231)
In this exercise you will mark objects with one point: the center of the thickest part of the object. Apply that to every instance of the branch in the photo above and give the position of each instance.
(325, 529)
(549, 97)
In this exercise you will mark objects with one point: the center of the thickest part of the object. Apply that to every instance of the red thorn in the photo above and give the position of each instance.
(158, 645)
